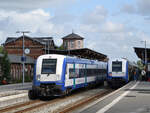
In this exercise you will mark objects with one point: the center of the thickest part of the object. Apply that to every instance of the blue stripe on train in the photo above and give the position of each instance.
(35, 82)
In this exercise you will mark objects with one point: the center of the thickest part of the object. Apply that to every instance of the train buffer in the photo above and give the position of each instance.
(132, 98)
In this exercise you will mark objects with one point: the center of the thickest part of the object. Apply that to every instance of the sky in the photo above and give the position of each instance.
(111, 27)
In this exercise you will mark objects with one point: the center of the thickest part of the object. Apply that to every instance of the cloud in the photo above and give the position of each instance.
(33, 21)
(114, 39)
(110, 27)
(141, 7)
(111, 45)
(97, 16)
(38, 22)
(89, 28)
(144, 36)
(26, 5)
(128, 8)
(63, 18)
(97, 21)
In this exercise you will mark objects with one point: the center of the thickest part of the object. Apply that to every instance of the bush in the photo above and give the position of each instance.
(27, 78)
(5, 67)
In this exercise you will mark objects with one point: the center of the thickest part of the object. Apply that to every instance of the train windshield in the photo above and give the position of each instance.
(116, 66)
(49, 66)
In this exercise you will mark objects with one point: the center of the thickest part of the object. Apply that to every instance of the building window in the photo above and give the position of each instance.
(79, 44)
(65, 45)
(71, 44)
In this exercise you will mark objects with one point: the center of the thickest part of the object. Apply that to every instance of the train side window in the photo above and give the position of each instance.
(77, 72)
(82, 73)
(66, 69)
(71, 73)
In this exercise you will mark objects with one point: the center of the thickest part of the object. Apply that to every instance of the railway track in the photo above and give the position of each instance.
(38, 104)
(83, 102)
(29, 106)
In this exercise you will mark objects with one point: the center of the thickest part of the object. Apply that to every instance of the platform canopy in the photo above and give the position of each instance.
(82, 53)
(140, 52)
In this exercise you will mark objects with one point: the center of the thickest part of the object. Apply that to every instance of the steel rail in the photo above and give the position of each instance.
(85, 101)
(18, 106)
(40, 104)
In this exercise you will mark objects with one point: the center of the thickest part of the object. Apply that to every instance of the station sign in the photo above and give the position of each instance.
(23, 58)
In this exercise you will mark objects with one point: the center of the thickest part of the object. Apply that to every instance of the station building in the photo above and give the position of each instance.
(36, 46)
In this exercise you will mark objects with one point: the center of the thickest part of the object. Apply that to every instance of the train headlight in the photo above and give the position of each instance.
(110, 74)
(38, 77)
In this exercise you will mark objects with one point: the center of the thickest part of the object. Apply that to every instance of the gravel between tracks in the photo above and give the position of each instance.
(11, 101)
(53, 108)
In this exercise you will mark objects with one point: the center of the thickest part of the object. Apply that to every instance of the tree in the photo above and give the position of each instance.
(60, 47)
(5, 66)
(140, 64)
(1, 49)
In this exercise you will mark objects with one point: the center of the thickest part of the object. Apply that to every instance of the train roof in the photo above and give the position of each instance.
(124, 59)
(118, 59)
(73, 58)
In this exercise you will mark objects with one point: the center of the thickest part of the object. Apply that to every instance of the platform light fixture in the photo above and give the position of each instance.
(23, 55)
(145, 51)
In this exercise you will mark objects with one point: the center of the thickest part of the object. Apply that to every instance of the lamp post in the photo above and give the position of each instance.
(23, 55)
(145, 51)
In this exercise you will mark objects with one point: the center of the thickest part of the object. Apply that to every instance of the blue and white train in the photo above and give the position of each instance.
(59, 75)
(120, 72)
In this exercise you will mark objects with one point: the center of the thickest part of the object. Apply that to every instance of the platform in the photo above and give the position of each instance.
(12, 89)
(132, 98)
(18, 86)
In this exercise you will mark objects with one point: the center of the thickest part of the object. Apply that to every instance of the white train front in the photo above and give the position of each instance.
(120, 72)
(59, 74)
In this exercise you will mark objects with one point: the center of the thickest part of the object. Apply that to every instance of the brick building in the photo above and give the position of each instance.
(72, 41)
(16, 67)
(36, 46)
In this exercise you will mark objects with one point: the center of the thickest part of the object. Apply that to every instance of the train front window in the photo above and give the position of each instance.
(116, 66)
(49, 66)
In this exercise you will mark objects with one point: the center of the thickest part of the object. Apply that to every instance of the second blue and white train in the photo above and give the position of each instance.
(120, 72)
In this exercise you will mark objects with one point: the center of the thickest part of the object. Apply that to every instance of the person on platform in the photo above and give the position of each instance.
(135, 74)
